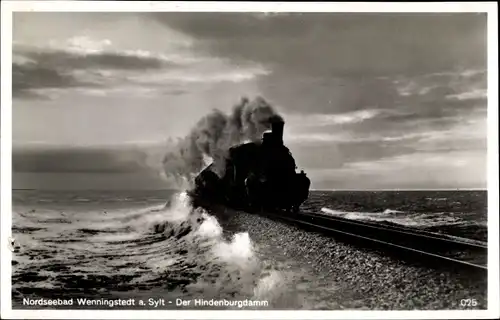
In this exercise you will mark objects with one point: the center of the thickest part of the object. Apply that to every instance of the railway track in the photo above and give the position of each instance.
(422, 247)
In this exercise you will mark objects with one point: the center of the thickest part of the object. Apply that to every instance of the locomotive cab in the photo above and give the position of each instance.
(258, 175)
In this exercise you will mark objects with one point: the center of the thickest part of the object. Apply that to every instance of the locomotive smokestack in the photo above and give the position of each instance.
(277, 125)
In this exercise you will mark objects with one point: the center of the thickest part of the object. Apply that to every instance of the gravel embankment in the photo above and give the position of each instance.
(366, 279)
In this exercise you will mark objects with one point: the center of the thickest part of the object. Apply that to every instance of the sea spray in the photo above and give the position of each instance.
(233, 263)
(197, 258)
(213, 135)
(181, 249)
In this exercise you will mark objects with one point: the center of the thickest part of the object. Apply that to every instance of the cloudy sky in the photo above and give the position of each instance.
(371, 101)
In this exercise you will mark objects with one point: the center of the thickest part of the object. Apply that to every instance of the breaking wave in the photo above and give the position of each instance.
(424, 220)
(174, 249)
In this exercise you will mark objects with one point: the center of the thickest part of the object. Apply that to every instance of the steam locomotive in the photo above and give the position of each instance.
(257, 176)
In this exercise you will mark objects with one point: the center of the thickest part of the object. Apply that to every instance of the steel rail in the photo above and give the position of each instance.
(401, 230)
(382, 236)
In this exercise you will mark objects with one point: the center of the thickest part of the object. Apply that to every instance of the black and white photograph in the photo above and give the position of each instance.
(249, 160)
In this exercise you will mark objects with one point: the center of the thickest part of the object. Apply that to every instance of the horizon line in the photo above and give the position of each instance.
(403, 189)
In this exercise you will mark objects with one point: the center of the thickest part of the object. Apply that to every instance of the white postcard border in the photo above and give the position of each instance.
(8, 7)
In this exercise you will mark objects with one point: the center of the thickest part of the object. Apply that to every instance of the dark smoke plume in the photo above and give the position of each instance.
(214, 134)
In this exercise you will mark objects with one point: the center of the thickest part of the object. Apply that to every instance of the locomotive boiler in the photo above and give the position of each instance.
(257, 176)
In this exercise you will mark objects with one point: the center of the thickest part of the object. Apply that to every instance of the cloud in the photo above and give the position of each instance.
(386, 126)
(354, 88)
(103, 63)
(315, 137)
(348, 62)
(200, 74)
(360, 44)
(407, 161)
(136, 165)
(106, 73)
(444, 149)
(88, 181)
(28, 76)
(38, 68)
(468, 84)
(474, 94)
(422, 138)
(103, 60)
(318, 120)
(73, 160)
(459, 169)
